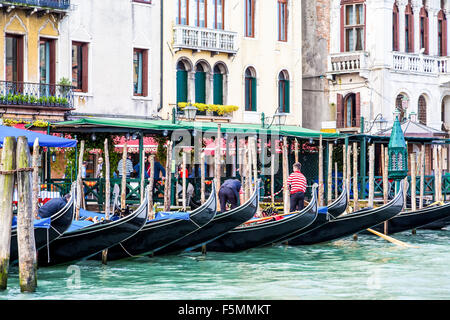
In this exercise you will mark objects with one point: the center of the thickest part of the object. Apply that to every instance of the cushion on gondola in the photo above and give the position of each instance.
(79, 224)
(38, 223)
(171, 215)
(323, 210)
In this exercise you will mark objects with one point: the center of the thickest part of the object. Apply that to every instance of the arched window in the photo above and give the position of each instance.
(422, 110)
(182, 82)
(409, 28)
(395, 30)
(283, 92)
(250, 89)
(442, 33)
(350, 110)
(424, 43)
(200, 84)
(218, 83)
(401, 103)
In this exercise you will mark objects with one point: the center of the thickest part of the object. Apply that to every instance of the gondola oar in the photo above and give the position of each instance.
(390, 239)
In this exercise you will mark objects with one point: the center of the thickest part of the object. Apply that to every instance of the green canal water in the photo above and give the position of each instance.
(369, 268)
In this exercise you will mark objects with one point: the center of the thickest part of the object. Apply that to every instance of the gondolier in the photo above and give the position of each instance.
(297, 184)
(229, 193)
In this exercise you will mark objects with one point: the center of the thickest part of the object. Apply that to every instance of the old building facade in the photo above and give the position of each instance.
(386, 56)
(228, 52)
(29, 69)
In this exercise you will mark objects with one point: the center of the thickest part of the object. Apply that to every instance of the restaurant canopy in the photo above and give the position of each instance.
(159, 126)
(45, 140)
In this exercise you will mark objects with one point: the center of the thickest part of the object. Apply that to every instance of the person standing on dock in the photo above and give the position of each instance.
(297, 183)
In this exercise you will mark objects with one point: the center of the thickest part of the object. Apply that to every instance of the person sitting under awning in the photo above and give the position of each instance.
(53, 206)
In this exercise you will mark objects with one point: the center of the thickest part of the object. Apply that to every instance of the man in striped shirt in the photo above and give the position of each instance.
(297, 183)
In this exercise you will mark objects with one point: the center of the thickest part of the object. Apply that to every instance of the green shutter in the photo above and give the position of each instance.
(200, 87)
(181, 86)
(247, 94)
(218, 88)
(254, 94)
(287, 96)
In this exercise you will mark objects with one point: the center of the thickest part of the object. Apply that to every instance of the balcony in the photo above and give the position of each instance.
(54, 5)
(203, 39)
(420, 64)
(348, 62)
(36, 96)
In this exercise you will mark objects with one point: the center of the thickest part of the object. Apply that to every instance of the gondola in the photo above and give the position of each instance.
(85, 238)
(157, 234)
(222, 223)
(48, 229)
(415, 219)
(260, 234)
(324, 214)
(437, 225)
(352, 223)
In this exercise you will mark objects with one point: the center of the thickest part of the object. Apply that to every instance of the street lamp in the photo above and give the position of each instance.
(398, 154)
(380, 122)
(190, 112)
(280, 118)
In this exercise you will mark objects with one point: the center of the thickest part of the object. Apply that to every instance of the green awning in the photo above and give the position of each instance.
(156, 126)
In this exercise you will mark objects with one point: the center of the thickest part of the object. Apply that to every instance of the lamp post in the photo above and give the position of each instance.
(398, 154)
(279, 118)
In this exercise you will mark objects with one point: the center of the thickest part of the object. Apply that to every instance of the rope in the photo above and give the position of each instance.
(6, 172)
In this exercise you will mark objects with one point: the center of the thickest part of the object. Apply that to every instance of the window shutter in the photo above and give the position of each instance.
(339, 111)
(426, 35)
(254, 94)
(247, 94)
(145, 73)
(342, 28)
(287, 96)
(218, 88)
(182, 86)
(358, 110)
(84, 76)
(411, 33)
(200, 87)
(444, 37)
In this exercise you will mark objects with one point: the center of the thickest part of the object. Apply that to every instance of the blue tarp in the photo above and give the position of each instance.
(75, 225)
(171, 215)
(323, 210)
(41, 223)
(45, 140)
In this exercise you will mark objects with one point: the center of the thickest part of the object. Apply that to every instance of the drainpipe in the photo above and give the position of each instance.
(161, 59)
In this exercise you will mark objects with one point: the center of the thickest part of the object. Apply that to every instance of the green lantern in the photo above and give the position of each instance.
(398, 153)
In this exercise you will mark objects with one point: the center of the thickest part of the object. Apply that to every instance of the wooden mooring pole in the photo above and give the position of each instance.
(218, 163)
(202, 178)
(151, 181)
(36, 185)
(321, 186)
(385, 167)
(355, 177)
(107, 194)
(7, 178)
(371, 174)
(422, 176)
(79, 182)
(286, 196)
(330, 174)
(25, 228)
(413, 181)
(123, 191)
(167, 185)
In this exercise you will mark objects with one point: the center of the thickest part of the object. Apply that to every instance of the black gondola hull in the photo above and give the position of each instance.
(85, 242)
(59, 223)
(411, 220)
(247, 237)
(337, 208)
(156, 235)
(346, 225)
(217, 227)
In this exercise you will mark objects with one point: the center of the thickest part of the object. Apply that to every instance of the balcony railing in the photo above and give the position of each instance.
(347, 62)
(187, 37)
(36, 95)
(419, 64)
(54, 4)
